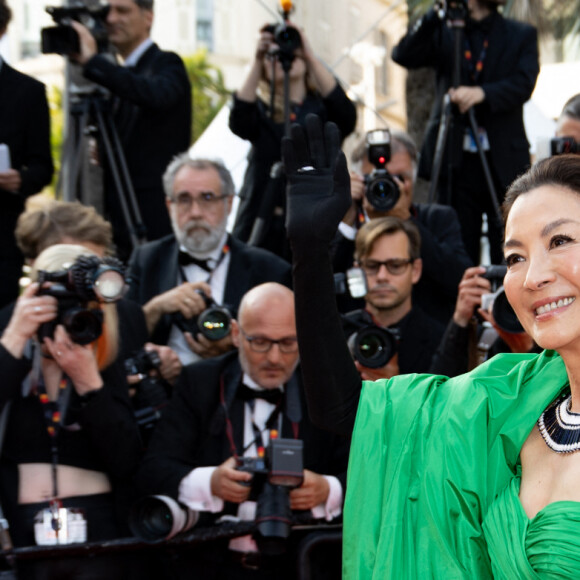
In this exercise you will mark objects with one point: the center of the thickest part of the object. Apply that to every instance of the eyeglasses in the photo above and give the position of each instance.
(287, 345)
(395, 266)
(206, 201)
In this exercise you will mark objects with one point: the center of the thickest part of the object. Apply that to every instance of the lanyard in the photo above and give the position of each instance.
(54, 412)
(475, 68)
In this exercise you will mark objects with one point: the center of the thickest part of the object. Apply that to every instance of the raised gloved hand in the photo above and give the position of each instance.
(318, 190)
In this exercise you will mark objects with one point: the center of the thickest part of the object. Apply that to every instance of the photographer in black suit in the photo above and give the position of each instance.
(499, 67)
(388, 250)
(223, 409)
(151, 107)
(25, 129)
(442, 251)
(167, 275)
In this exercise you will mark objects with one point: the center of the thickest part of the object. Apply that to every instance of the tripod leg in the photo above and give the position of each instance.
(140, 228)
(442, 135)
(116, 177)
(485, 166)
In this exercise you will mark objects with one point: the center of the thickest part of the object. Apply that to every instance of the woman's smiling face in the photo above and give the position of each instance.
(542, 251)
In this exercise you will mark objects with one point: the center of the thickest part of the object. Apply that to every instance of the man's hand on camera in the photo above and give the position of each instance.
(466, 97)
(87, 43)
(183, 298)
(318, 191)
(206, 348)
(313, 491)
(228, 483)
(170, 367)
(471, 288)
(391, 369)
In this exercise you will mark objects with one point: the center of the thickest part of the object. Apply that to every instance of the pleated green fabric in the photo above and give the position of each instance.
(546, 546)
(429, 456)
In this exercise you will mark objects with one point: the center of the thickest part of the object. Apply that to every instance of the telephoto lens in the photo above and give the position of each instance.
(159, 517)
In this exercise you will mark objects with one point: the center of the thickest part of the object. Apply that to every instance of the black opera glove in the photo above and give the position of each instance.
(318, 183)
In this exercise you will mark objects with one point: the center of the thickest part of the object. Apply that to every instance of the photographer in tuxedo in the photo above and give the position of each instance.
(221, 413)
(174, 277)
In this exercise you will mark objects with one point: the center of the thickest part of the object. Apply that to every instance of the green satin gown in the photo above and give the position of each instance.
(432, 458)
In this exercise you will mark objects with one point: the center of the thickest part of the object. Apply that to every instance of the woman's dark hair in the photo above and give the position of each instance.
(560, 171)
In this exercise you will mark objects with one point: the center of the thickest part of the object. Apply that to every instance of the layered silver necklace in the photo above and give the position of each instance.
(559, 427)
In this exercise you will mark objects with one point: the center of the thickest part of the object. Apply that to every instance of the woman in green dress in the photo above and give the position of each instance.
(470, 477)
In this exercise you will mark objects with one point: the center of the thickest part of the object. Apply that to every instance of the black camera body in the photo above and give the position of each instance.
(151, 392)
(453, 10)
(276, 472)
(502, 311)
(382, 192)
(89, 279)
(63, 39)
(563, 145)
(371, 345)
(286, 37)
(215, 322)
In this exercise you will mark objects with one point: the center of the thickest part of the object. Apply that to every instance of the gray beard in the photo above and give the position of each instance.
(200, 244)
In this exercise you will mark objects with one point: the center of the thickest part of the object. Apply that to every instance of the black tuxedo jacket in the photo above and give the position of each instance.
(153, 117)
(509, 74)
(25, 128)
(153, 270)
(192, 431)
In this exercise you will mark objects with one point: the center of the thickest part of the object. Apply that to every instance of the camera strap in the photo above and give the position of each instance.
(54, 413)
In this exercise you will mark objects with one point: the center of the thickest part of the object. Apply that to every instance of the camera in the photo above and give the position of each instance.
(276, 471)
(88, 279)
(215, 322)
(497, 302)
(159, 517)
(562, 145)
(452, 10)
(151, 392)
(381, 190)
(63, 39)
(286, 37)
(373, 346)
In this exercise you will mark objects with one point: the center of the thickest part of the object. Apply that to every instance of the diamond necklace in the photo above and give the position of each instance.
(559, 427)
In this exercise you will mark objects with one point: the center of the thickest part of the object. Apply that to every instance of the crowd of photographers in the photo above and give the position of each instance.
(173, 377)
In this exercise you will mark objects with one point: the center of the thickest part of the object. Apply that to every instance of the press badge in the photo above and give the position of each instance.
(69, 526)
(469, 143)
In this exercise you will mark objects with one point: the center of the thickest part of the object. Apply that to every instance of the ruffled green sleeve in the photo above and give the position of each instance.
(428, 456)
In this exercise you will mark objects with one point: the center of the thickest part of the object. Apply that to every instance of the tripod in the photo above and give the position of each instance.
(456, 15)
(91, 116)
(268, 202)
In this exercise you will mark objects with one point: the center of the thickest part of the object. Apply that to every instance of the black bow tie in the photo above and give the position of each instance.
(185, 259)
(273, 396)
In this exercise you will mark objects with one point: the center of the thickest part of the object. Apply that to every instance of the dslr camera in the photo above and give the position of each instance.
(215, 322)
(276, 471)
(286, 37)
(152, 392)
(371, 345)
(381, 191)
(497, 303)
(89, 279)
(63, 39)
(562, 145)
